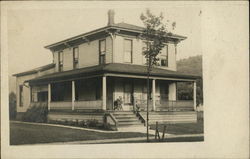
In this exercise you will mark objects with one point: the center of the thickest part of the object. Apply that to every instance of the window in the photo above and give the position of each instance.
(60, 61)
(75, 57)
(102, 51)
(128, 93)
(163, 62)
(128, 51)
(164, 57)
(20, 95)
(144, 48)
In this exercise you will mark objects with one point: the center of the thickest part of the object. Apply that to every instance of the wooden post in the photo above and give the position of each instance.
(163, 133)
(104, 93)
(156, 130)
(73, 95)
(153, 93)
(49, 95)
(194, 95)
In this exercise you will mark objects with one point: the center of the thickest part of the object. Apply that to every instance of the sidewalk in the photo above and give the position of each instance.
(128, 140)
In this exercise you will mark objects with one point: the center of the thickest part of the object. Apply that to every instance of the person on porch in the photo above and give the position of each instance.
(118, 104)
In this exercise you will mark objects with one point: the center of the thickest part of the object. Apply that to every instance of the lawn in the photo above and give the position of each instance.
(182, 128)
(21, 133)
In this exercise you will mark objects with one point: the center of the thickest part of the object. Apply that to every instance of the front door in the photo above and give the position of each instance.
(128, 98)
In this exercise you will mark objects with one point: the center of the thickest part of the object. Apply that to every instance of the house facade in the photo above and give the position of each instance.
(92, 70)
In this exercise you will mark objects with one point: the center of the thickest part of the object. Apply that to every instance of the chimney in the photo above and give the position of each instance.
(111, 16)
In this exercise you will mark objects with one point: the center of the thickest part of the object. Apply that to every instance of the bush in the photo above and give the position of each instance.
(92, 123)
(36, 114)
(12, 106)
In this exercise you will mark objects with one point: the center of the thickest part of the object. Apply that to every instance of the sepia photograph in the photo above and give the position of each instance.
(105, 74)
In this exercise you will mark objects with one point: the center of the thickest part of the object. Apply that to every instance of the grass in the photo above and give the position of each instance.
(182, 128)
(21, 133)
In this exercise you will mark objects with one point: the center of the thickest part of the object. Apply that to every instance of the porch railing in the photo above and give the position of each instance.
(78, 105)
(175, 105)
(142, 104)
(38, 104)
(167, 105)
(95, 104)
(60, 105)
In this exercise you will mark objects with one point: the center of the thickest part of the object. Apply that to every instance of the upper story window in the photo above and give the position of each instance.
(20, 95)
(102, 51)
(75, 57)
(128, 51)
(60, 60)
(164, 57)
(144, 48)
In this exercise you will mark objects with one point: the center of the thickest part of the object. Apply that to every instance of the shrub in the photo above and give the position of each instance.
(12, 106)
(92, 123)
(36, 114)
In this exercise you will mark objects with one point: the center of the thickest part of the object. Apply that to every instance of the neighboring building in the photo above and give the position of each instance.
(92, 70)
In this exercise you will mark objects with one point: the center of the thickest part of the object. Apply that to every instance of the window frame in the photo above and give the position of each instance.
(102, 54)
(164, 57)
(75, 60)
(124, 50)
(20, 95)
(60, 63)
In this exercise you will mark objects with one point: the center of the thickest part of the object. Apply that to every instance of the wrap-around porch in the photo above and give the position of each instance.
(100, 93)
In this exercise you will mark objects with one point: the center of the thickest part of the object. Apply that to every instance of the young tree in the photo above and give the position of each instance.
(155, 35)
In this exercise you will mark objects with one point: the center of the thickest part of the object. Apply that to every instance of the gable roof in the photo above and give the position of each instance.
(117, 68)
(116, 26)
(35, 70)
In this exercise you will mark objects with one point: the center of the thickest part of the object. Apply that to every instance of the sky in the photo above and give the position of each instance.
(31, 26)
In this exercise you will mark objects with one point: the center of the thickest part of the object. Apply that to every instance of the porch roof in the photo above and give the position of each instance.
(115, 68)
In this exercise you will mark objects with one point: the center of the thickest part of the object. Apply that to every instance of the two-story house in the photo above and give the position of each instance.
(92, 70)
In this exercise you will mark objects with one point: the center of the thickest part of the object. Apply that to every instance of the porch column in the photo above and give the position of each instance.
(104, 93)
(153, 93)
(49, 95)
(194, 95)
(73, 95)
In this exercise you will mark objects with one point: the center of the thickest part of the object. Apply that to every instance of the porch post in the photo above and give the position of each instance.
(104, 93)
(194, 95)
(73, 95)
(153, 93)
(49, 95)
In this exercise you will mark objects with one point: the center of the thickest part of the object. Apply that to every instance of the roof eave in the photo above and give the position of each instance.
(77, 37)
(180, 38)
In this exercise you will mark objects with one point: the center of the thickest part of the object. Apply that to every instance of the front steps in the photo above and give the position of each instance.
(127, 119)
